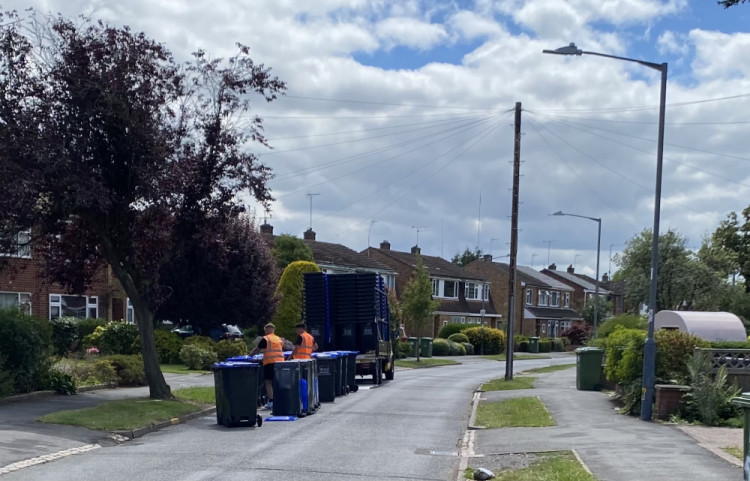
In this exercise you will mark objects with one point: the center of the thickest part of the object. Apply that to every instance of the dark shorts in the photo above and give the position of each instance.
(268, 370)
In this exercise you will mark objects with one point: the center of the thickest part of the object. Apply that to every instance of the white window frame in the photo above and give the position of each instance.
(458, 320)
(129, 312)
(436, 288)
(23, 246)
(471, 291)
(486, 292)
(91, 306)
(455, 289)
(566, 299)
(554, 299)
(529, 297)
(543, 298)
(23, 300)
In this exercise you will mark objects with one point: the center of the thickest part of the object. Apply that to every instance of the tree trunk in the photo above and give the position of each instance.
(157, 385)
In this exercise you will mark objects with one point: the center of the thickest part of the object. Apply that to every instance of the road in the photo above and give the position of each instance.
(407, 429)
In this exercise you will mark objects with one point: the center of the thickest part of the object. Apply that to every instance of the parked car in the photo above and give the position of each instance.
(225, 331)
(184, 331)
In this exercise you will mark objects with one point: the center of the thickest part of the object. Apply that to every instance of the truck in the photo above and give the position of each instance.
(349, 312)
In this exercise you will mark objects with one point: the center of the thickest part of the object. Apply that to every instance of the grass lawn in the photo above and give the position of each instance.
(424, 362)
(122, 415)
(200, 395)
(524, 412)
(516, 357)
(736, 452)
(179, 369)
(503, 385)
(559, 466)
(559, 367)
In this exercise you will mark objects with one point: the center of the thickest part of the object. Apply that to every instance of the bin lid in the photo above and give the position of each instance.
(743, 400)
(231, 365)
(323, 356)
(244, 358)
(588, 350)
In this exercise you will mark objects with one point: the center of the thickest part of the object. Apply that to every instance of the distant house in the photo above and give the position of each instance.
(584, 287)
(464, 296)
(542, 304)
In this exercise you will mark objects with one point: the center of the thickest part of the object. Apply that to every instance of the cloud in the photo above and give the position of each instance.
(673, 43)
(410, 32)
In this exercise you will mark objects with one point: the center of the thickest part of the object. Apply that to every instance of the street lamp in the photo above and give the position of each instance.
(598, 220)
(649, 353)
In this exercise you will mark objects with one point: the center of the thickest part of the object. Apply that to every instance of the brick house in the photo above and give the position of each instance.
(464, 296)
(584, 288)
(542, 304)
(23, 284)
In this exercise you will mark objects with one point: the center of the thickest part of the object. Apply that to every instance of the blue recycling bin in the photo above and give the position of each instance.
(236, 388)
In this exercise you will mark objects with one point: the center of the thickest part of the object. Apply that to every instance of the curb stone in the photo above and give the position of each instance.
(139, 432)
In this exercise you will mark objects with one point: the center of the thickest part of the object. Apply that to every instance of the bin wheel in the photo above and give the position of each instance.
(355, 388)
(258, 420)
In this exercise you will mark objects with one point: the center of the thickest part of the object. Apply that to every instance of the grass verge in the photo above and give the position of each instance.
(424, 362)
(516, 357)
(736, 452)
(557, 466)
(179, 369)
(125, 414)
(200, 395)
(559, 367)
(526, 412)
(503, 385)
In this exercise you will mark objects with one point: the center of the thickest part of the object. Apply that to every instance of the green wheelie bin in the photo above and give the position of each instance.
(589, 368)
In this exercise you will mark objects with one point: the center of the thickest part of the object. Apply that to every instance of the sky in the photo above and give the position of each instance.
(397, 122)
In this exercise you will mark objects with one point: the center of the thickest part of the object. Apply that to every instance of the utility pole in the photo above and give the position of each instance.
(513, 247)
(310, 196)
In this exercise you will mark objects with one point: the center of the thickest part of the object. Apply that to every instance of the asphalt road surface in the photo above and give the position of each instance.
(406, 429)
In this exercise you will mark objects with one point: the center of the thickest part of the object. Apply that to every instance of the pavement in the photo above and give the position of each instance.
(612, 446)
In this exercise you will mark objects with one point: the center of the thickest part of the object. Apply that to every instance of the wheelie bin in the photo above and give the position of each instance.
(425, 347)
(236, 388)
(257, 359)
(589, 368)
(349, 358)
(307, 385)
(414, 343)
(286, 391)
(326, 377)
(534, 344)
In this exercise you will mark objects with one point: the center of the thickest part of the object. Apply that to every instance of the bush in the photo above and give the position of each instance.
(545, 345)
(456, 349)
(25, 346)
(129, 369)
(519, 338)
(101, 371)
(730, 345)
(709, 400)
(403, 349)
(627, 321)
(87, 327)
(196, 357)
(577, 335)
(203, 342)
(557, 345)
(523, 346)
(624, 353)
(440, 347)
(168, 345)
(565, 342)
(93, 339)
(458, 337)
(64, 335)
(227, 348)
(448, 329)
(673, 349)
(61, 382)
(469, 348)
(119, 338)
(486, 340)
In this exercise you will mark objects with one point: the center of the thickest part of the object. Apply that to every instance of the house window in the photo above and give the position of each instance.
(486, 292)
(543, 298)
(81, 307)
(566, 299)
(554, 299)
(22, 246)
(474, 320)
(471, 291)
(565, 325)
(458, 320)
(130, 313)
(435, 288)
(16, 300)
(450, 289)
(529, 297)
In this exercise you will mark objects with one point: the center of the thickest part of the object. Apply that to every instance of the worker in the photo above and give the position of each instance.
(305, 344)
(273, 352)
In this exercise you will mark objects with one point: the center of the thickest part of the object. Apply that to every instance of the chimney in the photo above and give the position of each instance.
(385, 245)
(309, 234)
(571, 269)
(605, 277)
(487, 258)
(552, 267)
(416, 250)
(266, 229)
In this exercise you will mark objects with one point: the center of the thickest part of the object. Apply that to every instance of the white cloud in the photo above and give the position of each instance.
(720, 55)
(673, 43)
(470, 25)
(410, 32)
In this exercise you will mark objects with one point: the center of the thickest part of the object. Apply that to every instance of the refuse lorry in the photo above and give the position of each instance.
(349, 312)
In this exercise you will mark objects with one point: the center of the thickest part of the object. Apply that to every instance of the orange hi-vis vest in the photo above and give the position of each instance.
(304, 351)
(274, 351)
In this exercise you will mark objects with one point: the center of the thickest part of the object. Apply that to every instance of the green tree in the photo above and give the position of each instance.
(467, 257)
(587, 311)
(417, 304)
(290, 295)
(730, 3)
(729, 246)
(288, 249)
(113, 153)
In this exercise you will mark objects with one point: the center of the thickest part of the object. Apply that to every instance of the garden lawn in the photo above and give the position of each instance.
(201, 395)
(122, 415)
(559, 367)
(557, 466)
(503, 385)
(179, 369)
(522, 412)
(424, 362)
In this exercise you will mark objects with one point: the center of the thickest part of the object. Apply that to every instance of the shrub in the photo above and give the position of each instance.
(557, 345)
(196, 357)
(576, 335)
(627, 321)
(93, 339)
(403, 349)
(624, 353)
(456, 349)
(204, 342)
(61, 382)
(523, 346)
(565, 341)
(545, 345)
(87, 327)
(290, 292)
(229, 348)
(64, 335)
(709, 399)
(458, 337)
(250, 332)
(469, 348)
(119, 338)
(487, 340)
(6, 379)
(25, 345)
(673, 348)
(448, 329)
(101, 371)
(168, 345)
(519, 338)
(129, 369)
(440, 347)
(730, 345)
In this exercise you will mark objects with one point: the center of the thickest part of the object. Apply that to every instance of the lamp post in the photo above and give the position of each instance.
(598, 220)
(649, 353)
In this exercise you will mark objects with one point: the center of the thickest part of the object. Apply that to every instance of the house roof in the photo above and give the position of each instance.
(529, 276)
(436, 266)
(535, 312)
(339, 255)
(575, 279)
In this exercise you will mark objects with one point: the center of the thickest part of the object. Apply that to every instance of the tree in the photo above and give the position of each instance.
(730, 3)
(417, 304)
(729, 246)
(467, 257)
(114, 153)
(290, 293)
(224, 274)
(683, 278)
(288, 249)
(587, 310)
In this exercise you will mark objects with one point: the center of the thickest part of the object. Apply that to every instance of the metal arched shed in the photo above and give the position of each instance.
(711, 326)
